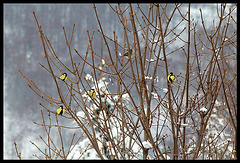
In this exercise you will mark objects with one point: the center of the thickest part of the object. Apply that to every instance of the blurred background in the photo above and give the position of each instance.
(23, 50)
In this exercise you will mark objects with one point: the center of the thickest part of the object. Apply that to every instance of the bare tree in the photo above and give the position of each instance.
(163, 119)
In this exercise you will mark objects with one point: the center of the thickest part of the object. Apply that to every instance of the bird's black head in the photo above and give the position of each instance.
(65, 74)
(171, 73)
(61, 106)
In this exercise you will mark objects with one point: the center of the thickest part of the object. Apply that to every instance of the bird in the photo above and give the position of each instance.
(92, 93)
(63, 77)
(171, 78)
(129, 53)
(60, 110)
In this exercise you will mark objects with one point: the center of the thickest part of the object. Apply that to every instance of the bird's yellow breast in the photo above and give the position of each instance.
(92, 94)
(61, 111)
(63, 77)
(173, 78)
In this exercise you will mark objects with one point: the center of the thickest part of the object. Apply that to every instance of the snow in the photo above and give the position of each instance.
(148, 78)
(84, 149)
(203, 109)
(147, 144)
(89, 77)
(166, 156)
(102, 85)
(213, 116)
(155, 95)
(103, 61)
(81, 115)
(125, 97)
(229, 139)
(165, 90)
(184, 125)
(218, 103)
(151, 60)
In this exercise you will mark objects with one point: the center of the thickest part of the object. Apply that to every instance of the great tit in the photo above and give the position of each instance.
(129, 54)
(63, 77)
(171, 78)
(60, 110)
(92, 93)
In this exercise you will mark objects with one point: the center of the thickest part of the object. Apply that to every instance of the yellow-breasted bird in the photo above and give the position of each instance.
(60, 110)
(92, 93)
(63, 77)
(129, 53)
(171, 78)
